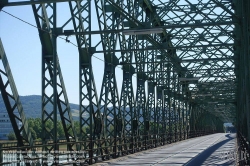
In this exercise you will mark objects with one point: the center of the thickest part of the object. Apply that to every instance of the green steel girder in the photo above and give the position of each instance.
(50, 72)
(109, 97)
(94, 120)
(140, 104)
(140, 58)
(6, 3)
(161, 113)
(151, 116)
(127, 102)
(242, 52)
(206, 39)
(151, 110)
(189, 35)
(13, 105)
(90, 114)
(133, 22)
(177, 48)
(109, 19)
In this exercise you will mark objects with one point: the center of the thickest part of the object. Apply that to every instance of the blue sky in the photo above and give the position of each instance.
(23, 50)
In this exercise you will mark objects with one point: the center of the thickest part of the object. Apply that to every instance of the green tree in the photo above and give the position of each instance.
(11, 136)
(60, 131)
(86, 129)
(35, 126)
(77, 127)
(33, 133)
(38, 127)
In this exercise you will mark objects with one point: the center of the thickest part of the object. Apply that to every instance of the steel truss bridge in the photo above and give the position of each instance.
(189, 57)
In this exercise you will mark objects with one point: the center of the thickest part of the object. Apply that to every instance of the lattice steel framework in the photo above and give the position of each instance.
(53, 88)
(14, 106)
(241, 50)
(186, 75)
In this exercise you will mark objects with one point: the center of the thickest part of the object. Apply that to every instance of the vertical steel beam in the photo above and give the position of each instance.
(90, 117)
(150, 123)
(13, 105)
(168, 103)
(91, 121)
(162, 118)
(53, 88)
(127, 104)
(140, 100)
(109, 19)
(241, 48)
(127, 94)
(109, 97)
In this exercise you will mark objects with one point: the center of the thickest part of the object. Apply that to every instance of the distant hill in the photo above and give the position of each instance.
(32, 106)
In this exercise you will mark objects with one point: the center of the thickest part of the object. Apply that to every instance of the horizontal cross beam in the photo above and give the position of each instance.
(5, 3)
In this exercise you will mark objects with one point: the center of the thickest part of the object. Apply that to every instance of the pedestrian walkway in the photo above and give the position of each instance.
(214, 149)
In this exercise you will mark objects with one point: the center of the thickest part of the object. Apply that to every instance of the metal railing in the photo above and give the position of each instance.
(11, 153)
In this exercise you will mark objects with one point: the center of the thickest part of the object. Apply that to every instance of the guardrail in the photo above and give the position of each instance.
(243, 150)
(97, 150)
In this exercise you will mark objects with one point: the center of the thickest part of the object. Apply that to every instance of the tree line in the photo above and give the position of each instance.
(35, 127)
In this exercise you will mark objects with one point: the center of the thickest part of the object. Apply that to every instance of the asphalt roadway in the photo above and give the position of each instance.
(211, 150)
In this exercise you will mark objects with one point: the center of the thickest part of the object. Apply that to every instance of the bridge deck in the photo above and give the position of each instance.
(215, 149)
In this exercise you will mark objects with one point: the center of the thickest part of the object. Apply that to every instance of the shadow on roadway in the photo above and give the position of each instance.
(205, 155)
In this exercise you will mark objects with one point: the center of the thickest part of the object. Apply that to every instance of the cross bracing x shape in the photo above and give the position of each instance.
(178, 72)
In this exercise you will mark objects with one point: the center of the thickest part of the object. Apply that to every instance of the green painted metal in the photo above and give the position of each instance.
(6, 3)
(140, 58)
(109, 98)
(52, 79)
(241, 50)
(13, 106)
(89, 102)
(190, 78)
